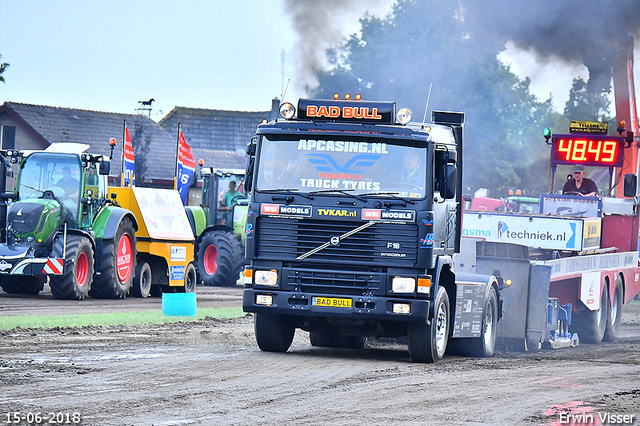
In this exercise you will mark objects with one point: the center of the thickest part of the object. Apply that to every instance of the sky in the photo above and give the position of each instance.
(215, 54)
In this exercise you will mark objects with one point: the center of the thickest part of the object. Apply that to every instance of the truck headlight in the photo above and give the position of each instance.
(268, 278)
(403, 284)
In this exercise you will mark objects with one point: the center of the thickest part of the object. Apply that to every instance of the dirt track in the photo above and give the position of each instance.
(211, 372)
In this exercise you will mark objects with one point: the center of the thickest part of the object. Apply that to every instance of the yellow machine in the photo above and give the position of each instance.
(165, 240)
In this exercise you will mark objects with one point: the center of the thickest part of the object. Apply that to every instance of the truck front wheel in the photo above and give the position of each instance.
(591, 325)
(117, 264)
(78, 274)
(274, 333)
(219, 258)
(428, 342)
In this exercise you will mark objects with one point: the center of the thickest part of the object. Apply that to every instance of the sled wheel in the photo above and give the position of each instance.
(189, 280)
(428, 342)
(614, 319)
(591, 325)
(142, 280)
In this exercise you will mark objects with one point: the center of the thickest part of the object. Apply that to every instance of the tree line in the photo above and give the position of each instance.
(428, 43)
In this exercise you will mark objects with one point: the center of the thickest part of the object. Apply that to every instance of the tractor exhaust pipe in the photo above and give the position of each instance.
(3, 199)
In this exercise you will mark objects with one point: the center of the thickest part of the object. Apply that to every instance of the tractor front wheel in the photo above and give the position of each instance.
(76, 281)
(22, 284)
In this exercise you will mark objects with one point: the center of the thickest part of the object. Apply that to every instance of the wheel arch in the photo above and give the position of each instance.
(210, 229)
(117, 215)
(73, 231)
(623, 282)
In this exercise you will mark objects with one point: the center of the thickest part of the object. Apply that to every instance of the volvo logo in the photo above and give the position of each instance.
(4, 265)
(335, 241)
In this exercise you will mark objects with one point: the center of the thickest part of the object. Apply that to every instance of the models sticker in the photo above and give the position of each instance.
(282, 210)
(389, 215)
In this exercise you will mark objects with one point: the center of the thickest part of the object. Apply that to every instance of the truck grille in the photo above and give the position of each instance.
(23, 218)
(330, 282)
(386, 244)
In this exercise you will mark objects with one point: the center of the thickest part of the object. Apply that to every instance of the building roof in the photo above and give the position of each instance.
(213, 128)
(154, 147)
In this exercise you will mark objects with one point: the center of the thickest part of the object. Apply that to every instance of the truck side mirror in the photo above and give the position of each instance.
(105, 167)
(248, 173)
(445, 168)
(448, 187)
(630, 185)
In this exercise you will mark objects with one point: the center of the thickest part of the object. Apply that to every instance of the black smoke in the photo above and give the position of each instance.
(592, 32)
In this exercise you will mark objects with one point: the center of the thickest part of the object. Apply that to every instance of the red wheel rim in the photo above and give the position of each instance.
(82, 269)
(124, 258)
(210, 256)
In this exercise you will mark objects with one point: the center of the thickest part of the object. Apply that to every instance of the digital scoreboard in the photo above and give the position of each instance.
(589, 150)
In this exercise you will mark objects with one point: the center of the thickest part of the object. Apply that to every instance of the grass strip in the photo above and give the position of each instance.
(111, 319)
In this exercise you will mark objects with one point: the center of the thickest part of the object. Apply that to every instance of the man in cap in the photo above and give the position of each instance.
(580, 185)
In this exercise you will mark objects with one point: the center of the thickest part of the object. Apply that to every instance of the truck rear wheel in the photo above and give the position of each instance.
(486, 343)
(274, 333)
(219, 259)
(591, 325)
(614, 319)
(142, 280)
(428, 342)
(22, 284)
(78, 274)
(117, 264)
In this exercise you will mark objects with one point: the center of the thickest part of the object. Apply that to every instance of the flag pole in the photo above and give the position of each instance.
(124, 127)
(175, 179)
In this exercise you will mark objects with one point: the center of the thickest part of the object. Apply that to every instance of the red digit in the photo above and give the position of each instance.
(609, 148)
(565, 146)
(595, 150)
(579, 150)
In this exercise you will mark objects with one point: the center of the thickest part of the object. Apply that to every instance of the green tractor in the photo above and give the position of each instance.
(62, 225)
(219, 225)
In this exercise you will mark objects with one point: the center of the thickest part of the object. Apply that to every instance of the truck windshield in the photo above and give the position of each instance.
(307, 165)
(59, 173)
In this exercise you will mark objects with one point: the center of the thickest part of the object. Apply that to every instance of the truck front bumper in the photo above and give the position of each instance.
(354, 307)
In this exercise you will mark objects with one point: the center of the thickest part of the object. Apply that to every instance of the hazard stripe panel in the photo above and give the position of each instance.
(54, 266)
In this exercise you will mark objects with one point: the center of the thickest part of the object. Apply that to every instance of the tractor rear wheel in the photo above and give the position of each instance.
(79, 263)
(219, 259)
(118, 263)
(22, 284)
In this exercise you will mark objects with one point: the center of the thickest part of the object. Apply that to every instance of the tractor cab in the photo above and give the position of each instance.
(222, 190)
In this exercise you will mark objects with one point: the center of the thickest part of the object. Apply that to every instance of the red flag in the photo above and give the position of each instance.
(128, 162)
(186, 167)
